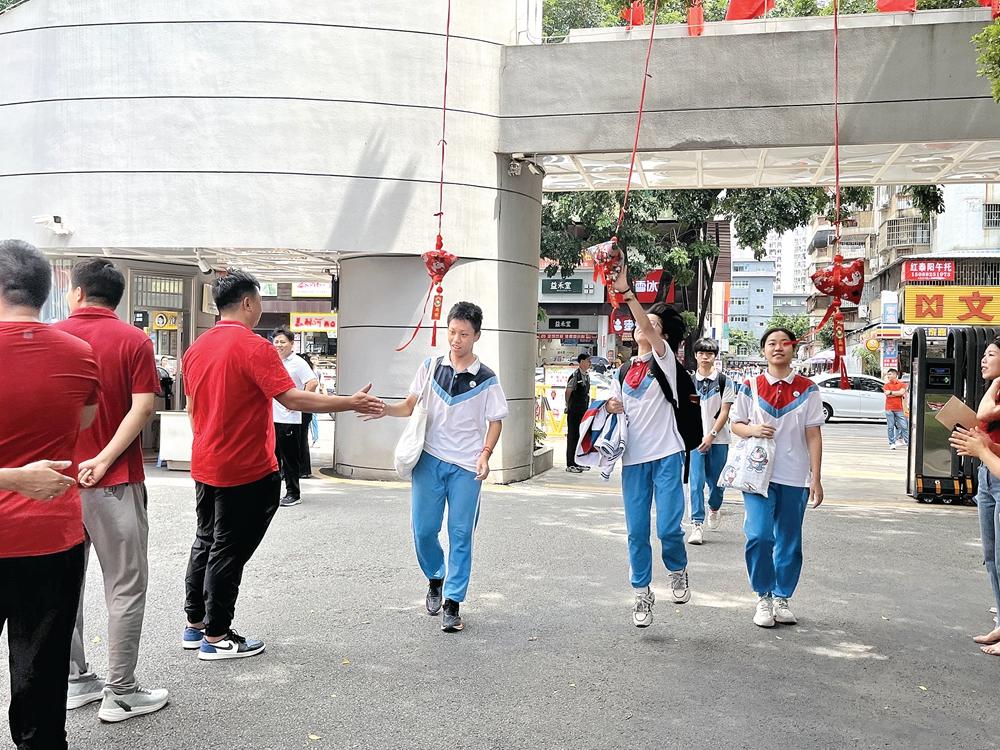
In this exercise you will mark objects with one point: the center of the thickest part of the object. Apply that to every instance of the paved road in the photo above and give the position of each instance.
(882, 658)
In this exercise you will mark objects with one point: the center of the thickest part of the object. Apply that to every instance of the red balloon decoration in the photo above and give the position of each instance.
(842, 280)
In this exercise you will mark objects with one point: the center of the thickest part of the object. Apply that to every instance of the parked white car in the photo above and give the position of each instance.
(864, 400)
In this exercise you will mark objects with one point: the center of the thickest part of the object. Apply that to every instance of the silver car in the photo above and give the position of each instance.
(864, 400)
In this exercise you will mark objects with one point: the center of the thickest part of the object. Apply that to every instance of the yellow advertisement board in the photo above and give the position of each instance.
(952, 305)
(303, 322)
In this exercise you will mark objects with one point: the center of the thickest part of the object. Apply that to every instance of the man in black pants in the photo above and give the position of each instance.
(231, 376)
(50, 392)
(577, 401)
(288, 423)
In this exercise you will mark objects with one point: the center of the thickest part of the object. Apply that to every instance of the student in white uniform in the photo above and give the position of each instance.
(717, 394)
(792, 414)
(653, 462)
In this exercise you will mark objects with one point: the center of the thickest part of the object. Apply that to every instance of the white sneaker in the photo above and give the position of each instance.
(714, 519)
(892, 447)
(89, 688)
(140, 701)
(679, 589)
(642, 610)
(764, 616)
(782, 614)
(697, 535)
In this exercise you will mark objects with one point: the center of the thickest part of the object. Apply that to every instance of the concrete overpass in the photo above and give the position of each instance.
(285, 137)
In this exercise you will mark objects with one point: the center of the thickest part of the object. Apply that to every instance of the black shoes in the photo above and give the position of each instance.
(287, 501)
(451, 621)
(434, 597)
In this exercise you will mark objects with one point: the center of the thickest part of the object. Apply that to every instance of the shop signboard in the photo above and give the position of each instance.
(564, 324)
(952, 305)
(621, 322)
(269, 289)
(929, 270)
(305, 322)
(313, 289)
(562, 286)
(163, 320)
(208, 301)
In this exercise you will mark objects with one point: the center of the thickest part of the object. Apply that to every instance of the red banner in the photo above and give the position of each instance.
(896, 6)
(929, 270)
(741, 10)
(620, 322)
(696, 19)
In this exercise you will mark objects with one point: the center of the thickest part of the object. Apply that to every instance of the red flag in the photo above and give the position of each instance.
(741, 10)
(994, 4)
(696, 19)
(634, 14)
(896, 6)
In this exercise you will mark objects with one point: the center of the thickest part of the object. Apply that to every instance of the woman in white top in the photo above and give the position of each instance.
(653, 462)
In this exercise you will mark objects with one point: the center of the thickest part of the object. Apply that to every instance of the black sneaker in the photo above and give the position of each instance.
(451, 622)
(574, 470)
(288, 501)
(434, 596)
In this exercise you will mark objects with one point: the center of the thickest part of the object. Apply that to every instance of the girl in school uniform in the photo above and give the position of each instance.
(792, 414)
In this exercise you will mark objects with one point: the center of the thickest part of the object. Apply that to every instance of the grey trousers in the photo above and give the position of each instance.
(117, 527)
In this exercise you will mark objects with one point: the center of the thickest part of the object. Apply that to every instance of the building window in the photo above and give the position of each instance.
(760, 307)
(991, 216)
(759, 290)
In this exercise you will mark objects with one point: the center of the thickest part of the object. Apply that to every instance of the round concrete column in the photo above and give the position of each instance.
(381, 299)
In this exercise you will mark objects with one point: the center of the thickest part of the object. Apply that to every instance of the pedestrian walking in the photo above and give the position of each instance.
(716, 394)
(791, 413)
(309, 424)
(648, 392)
(466, 407)
(895, 419)
(577, 401)
(231, 376)
(113, 493)
(288, 427)
(49, 390)
(980, 444)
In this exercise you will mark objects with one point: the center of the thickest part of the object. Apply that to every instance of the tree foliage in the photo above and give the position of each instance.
(928, 199)
(797, 324)
(987, 44)
(742, 342)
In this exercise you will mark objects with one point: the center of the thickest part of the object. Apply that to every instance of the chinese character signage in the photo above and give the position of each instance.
(929, 270)
(952, 305)
(163, 321)
(301, 322)
(621, 322)
(562, 286)
(312, 289)
(564, 324)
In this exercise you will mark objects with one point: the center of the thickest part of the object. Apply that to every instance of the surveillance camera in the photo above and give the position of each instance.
(514, 169)
(535, 169)
(54, 224)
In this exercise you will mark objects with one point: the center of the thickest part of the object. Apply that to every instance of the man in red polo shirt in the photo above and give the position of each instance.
(49, 390)
(230, 376)
(114, 493)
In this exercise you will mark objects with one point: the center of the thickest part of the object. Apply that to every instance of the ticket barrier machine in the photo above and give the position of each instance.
(935, 473)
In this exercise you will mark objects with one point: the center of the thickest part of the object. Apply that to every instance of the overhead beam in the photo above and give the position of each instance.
(760, 167)
(972, 147)
(890, 161)
(821, 169)
(582, 171)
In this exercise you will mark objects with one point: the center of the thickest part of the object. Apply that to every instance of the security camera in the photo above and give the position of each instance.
(514, 169)
(535, 169)
(54, 224)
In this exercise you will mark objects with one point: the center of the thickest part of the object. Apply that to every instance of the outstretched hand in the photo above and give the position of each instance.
(42, 480)
(364, 403)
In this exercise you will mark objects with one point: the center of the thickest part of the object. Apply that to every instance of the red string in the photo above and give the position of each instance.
(638, 119)
(836, 119)
(444, 119)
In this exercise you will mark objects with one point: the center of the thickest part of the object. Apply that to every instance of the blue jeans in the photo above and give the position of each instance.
(988, 500)
(663, 480)
(773, 528)
(895, 422)
(435, 484)
(705, 469)
(314, 428)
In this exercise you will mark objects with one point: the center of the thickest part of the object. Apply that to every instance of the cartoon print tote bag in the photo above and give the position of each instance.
(751, 460)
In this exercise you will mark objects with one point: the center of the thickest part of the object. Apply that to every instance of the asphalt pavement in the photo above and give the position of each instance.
(882, 658)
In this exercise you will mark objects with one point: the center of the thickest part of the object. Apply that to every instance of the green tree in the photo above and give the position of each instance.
(987, 44)
(825, 336)
(4, 4)
(928, 199)
(742, 342)
(797, 324)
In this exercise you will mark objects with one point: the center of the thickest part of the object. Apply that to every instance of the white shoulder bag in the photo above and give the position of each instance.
(411, 442)
(750, 462)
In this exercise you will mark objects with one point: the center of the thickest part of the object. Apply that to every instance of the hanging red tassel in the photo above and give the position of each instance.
(608, 264)
(696, 19)
(634, 14)
(438, 263)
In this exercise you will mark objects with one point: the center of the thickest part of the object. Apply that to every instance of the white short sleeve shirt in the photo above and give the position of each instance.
(790, 405)
(301, 374)
(712, 399)
(460, 407)
(652, 425)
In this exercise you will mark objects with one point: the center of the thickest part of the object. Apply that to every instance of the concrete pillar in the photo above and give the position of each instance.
(382, 296)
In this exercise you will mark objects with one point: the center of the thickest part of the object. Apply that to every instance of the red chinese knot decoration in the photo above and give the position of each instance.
(841, 281)
(438, 263)
(608, 265)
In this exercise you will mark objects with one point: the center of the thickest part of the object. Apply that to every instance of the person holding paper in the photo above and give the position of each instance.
(895, 420)
(982, 443)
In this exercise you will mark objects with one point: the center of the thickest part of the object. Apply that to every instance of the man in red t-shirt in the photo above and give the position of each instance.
(895, 419)
(230, 376)
(49, 390)
(114, 493)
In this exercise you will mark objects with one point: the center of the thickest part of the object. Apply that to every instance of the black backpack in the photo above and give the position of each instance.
(687, 405)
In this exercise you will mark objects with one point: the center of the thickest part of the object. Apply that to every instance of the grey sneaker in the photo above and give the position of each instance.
(451, 620)
(782, 613)
(642, 610)
(140, 701)
(679, 589)
(89, 688)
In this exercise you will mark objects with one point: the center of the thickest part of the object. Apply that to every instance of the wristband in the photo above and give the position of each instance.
(487, 449)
